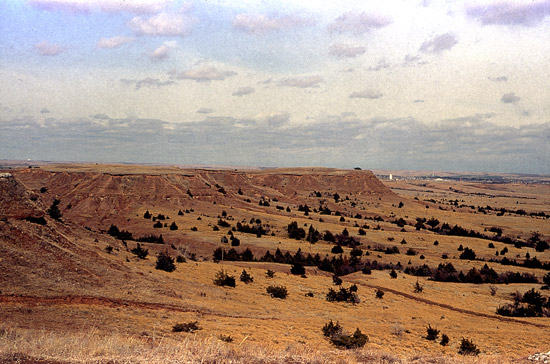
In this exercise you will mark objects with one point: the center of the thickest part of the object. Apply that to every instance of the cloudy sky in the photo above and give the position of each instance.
(426, 85)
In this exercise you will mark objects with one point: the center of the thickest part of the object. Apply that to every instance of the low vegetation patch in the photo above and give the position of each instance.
(277, 292)
(190, 326)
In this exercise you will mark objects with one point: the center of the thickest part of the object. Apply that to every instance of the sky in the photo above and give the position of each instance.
(391, 84)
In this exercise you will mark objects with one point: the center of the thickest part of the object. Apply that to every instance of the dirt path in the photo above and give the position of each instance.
(452, 308)
(114, 303)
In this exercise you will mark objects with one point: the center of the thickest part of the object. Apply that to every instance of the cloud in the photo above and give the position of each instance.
(163, 24)
(244, 91)
(358, 22)
(260, 24)
(44, 111)
(345, 50)
(46, 48)
(524, 13)
(413, 61)
(439, 43)
(301, 82)
(114, 42)
(469, 143)
(160, 54)
(498, 79)
(205, 74)
(274, 119)
(367, 94)
(382, 64)
(510, 98)
(113, 6)
(418, 101)
(146, 82)
(205, 110)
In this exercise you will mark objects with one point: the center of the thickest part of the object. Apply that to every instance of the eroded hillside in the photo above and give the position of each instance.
(85, 267)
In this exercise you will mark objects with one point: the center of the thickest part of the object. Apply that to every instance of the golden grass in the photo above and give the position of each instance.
(93, 347)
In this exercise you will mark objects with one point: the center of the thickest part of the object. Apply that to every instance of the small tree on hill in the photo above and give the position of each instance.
(139, 252)
(54, 211)
(165, 262)
(246, 277)
(467, 347)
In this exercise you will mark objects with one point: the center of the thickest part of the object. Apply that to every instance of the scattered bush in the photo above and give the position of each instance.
(147, 215)
(353, 341)
(36, 220)
(165, 262)
(431, 333)
(246, 277)
(139, 252)
(418, 288)
(224, 279)
(444, 340)
(393, 274)
(337, 249)
(337, 281)
(468, 254)
(277, 291)
(190, 326)
(54, 211)
(298, 269)
(343, 295)
(225, 338)
(379, 294)
(269, 273)
(467, 347)
(180, 259)
(331, 329)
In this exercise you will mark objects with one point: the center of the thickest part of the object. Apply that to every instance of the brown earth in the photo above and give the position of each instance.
(59, 276)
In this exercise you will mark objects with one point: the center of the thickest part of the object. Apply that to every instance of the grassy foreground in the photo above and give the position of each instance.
(36, 346)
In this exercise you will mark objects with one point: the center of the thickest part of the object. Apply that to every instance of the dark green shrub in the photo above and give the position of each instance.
(379, 294)
(343, 295)
(431, 333)
(54, 211)
(139, 252)
(331, 329)
(337, 249)
(269, 273)
(467, 347)
(336, 280)
(277, 291)
(411, 251)
(295, 232)
(444, 340)
(180, 259)
(393, 274)
(108, 249)
(468, 254)
(165, 262)
(224, 279)
(173, 226)
(298, 269)
(246, 277)
(186, 327)
(225, 338)
(157, 225)
(356, 340)
(147, 215)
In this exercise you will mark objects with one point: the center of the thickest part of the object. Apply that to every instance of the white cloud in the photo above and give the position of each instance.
(205, 110)
(355, 22)
(161, 53)
(366, 94)
(510, 98)
(163, 24)
(498, 79)
(259, 24)
(146, 82)
(439, 43)
(525, 13)
(114, 42)
(81, 6)
(46, 48)
(244, 91)
(346, 50)
(204, 74)
(301, 82)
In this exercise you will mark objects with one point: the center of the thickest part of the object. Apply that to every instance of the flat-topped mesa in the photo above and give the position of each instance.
(101, 192)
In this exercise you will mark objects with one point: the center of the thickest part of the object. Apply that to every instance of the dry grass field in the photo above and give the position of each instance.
(73, 293)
